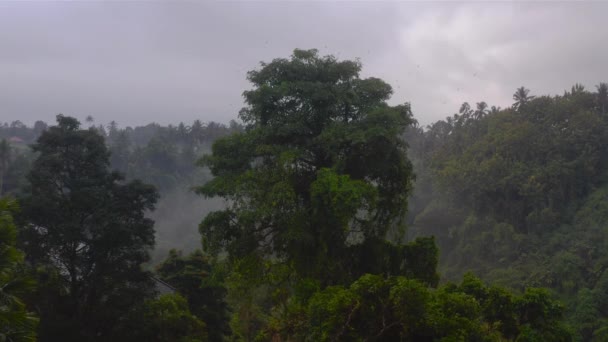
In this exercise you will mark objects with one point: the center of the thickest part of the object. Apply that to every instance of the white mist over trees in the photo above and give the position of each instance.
(318, 229)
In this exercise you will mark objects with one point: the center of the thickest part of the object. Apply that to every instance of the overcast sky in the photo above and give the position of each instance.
(137, 62)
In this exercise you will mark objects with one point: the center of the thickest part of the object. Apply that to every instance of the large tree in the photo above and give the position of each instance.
(319, 174)
(87, 227)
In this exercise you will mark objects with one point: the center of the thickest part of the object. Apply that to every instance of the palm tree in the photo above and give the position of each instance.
(521, 97)
(465, 113)
(602, 97)
(465, 109)
(482, 110)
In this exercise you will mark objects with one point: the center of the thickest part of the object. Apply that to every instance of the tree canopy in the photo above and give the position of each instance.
(87, 228)
(320, 168)
(306, 237)
(193, 277)
(517, 196)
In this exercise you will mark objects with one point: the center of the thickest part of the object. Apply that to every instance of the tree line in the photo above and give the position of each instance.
(335, 205)
(517, 195)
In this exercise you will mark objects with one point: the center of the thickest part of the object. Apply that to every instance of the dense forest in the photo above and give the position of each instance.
(324, 214)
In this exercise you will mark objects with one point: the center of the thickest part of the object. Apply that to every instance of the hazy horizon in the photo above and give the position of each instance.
(166, 62)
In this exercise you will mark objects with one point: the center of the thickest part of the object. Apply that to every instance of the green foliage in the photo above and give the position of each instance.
(166, 318)
(15, 160)
(319, 169)
(193, 278)
(539, 315)
(16, 323)
(402, 309)
(164, 156)
(335, 199)
(86, 230)
(311, 244)
(518, 196)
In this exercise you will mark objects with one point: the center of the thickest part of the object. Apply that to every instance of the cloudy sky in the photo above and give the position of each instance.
(136, 62)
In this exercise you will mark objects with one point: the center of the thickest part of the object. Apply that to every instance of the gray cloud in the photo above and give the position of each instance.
(136, 62)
